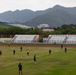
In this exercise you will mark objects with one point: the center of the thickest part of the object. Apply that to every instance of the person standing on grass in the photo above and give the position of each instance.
(65, 50)
(21, 48)
(13, 52)
(49, 51)
(27, 52)
(0, 53)
(35, 58)
(20, 68)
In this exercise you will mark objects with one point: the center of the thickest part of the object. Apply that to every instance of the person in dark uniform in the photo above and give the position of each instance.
(35, 58)
(13, 52)
(49, 51)
(20, 68)
(65, 50)
(0, 52)
(21, 48)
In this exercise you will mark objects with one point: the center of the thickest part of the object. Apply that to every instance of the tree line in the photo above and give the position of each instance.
(18, 30)
(64, 29)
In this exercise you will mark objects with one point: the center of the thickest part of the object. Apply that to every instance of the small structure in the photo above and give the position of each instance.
(47, 29)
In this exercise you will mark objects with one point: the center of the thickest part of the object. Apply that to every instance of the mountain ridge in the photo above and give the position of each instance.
(56, 16)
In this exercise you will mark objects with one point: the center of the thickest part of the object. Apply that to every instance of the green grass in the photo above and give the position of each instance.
(4, 25)
(58, 63)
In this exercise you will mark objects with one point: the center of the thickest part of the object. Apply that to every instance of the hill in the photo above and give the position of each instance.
(56, 16)
(19, 16)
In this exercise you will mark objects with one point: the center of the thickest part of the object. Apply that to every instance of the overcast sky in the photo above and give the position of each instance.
(34, 5)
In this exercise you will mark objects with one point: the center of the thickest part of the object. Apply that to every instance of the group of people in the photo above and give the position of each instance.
(21, 51)
(20, 65)
(34, 58)
(15, 51)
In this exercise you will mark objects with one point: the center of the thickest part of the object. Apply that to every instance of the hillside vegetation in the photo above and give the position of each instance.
(13, 30)
(4, 25)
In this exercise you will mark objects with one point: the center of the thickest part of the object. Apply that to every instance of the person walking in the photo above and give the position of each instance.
(65, 50)
(49, 51)
(28, 52)
(13, 52)
(20, 68)
(35, 58)
(0, 52)
(21, 48)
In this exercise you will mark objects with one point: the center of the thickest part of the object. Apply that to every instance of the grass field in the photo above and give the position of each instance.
(58, 63)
